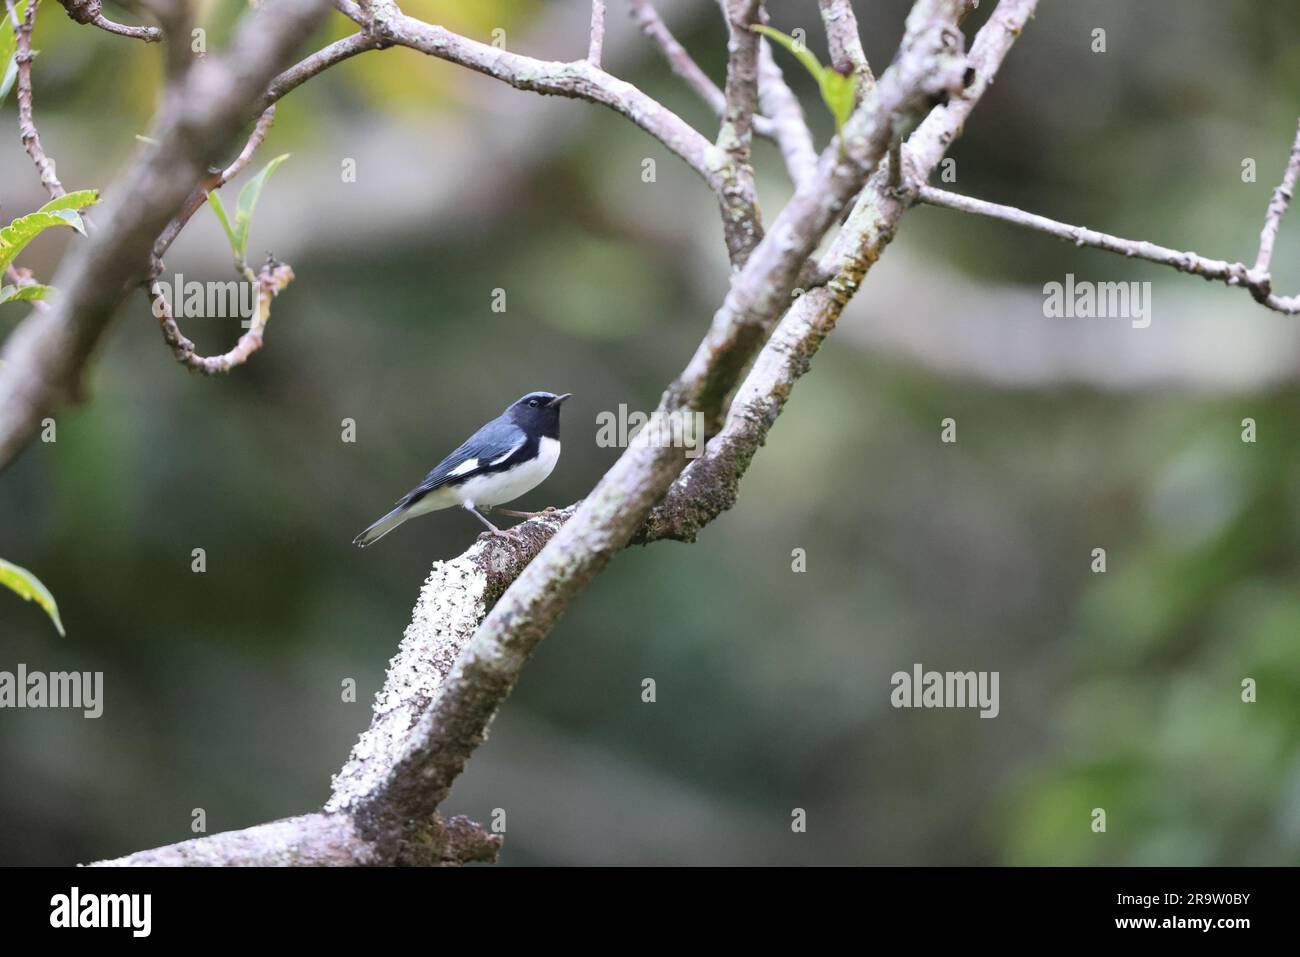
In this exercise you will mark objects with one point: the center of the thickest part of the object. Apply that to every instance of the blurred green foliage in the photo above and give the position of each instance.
(1119, 691)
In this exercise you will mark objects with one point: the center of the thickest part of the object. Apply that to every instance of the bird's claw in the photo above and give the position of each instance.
(549, 510)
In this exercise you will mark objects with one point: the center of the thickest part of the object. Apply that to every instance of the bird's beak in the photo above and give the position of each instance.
(555, 403)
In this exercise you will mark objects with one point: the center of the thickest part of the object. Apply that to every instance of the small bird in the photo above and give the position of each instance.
(512, 454)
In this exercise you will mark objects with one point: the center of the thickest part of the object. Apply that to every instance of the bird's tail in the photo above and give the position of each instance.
(382, 527)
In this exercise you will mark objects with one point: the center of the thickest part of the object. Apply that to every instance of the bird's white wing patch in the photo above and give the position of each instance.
(468, 465)
(513, 449)
(497, 488)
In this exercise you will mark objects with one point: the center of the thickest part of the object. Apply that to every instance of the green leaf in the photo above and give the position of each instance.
(248, 197)
(28, 586)
(7, 80)
(217, 207)
(78, 199)
(8, 46)
(27, 293)
(838, 91)
(72, 218)
(15, 237)
(810, 62)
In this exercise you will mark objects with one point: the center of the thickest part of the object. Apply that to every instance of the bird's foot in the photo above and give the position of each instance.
(549, 510)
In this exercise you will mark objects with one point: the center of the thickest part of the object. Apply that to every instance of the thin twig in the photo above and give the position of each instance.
(90, 12)
(1277, 207)
(682, 64)
(597, 42)
(318, 62)
(782, 119)
(147, 34)
(790, 128)
(26, 123)
(215, 180)
(1216, 270)
(577, 79)
(272, 279)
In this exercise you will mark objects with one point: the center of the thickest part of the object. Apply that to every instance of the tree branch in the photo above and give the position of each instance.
(1214, 270)
(90, 12)
(845, 41)
(215, 180)
(597, 42)
(1277, 208)
(681, 62)
(270, 282)
(710, 484)
(578, 79)
(741, 218)
(317, 840)
(26, 123)
(318, 62)
(45, 356)
(789, 128)
(489, 665)
(451, 672)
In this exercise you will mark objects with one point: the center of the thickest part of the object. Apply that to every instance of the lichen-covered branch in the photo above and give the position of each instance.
(739, 198)
(930, 65)
(844, 40)
(352, 829)
(317, 840)
(458, 660)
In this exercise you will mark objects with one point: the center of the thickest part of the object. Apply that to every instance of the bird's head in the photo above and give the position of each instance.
(538, 412)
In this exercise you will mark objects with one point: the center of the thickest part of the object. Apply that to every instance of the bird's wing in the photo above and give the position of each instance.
(489, 446)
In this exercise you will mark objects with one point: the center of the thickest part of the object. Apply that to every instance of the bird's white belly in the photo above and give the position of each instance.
(501, 487)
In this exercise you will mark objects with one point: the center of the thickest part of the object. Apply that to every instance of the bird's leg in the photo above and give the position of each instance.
(469, 506)
(510, 511)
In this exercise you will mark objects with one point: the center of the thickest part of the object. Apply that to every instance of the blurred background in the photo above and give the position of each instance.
(1119, 690)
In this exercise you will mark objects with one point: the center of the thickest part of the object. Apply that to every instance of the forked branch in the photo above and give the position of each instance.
(1258, 280)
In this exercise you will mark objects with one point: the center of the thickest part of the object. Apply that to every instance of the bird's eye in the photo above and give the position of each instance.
(533, 403)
